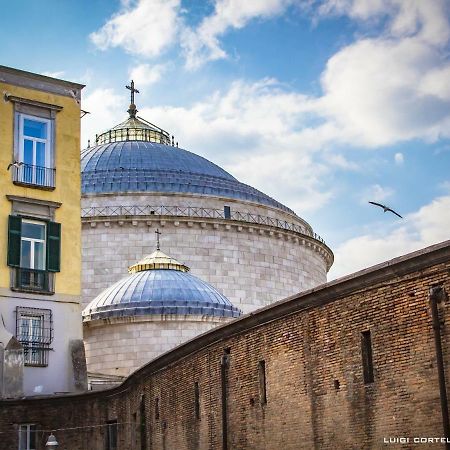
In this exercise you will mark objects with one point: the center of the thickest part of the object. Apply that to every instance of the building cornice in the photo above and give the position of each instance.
(314, 242)
(38, 82)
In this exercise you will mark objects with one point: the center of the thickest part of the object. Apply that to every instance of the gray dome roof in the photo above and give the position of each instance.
(162, 291)
(141, 166)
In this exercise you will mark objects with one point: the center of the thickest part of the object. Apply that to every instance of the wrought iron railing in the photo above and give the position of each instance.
(34, 175)
(33, 280)
(196, 212)
(153, 134)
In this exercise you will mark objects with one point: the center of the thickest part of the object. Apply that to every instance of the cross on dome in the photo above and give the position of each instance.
(158, 233)
(132, 110)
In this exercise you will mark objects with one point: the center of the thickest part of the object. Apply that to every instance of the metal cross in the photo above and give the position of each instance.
(157, 232)
(133, 90)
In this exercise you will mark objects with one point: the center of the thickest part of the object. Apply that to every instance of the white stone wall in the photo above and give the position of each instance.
(251, 264)
(119, 348)
(252, 267)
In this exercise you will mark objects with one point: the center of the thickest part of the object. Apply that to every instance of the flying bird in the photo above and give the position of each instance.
(15, 164)
(386, 208)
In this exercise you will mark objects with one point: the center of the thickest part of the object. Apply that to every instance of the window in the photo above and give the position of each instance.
(111, 435)
(366, 350)
(34, 330)
(27, 437)
(197, 400)
(143, 426)
(32, 245)
(34, 250)
(35, 152)
(262, 382)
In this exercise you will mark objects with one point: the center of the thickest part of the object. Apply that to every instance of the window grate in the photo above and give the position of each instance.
(34, 330)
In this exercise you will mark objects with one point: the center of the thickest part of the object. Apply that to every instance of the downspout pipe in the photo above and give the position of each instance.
(437, 294)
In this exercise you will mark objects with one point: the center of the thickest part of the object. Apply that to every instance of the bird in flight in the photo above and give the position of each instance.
(15, 164)
(386, 208)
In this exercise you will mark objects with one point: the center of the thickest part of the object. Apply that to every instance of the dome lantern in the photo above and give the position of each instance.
(134, 128)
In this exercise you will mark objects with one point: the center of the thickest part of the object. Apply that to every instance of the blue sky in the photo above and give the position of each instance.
(322, 104)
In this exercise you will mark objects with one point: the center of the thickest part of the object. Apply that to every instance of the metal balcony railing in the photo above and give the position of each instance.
(33, 280)
(34, 175)
(157, 135)
(191, 211)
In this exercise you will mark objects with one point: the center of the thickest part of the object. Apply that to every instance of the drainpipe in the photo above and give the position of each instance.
(224, 363)
(437, 294)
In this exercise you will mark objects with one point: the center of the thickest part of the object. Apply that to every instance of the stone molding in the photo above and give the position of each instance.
(226, 224)
(156, 318)
(31, 80)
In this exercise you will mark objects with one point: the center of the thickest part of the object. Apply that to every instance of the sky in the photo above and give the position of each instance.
(322, 104)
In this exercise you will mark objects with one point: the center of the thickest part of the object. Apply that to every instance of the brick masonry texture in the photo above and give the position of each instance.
(316, 396)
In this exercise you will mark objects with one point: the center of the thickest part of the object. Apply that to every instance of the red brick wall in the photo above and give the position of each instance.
(309, 343)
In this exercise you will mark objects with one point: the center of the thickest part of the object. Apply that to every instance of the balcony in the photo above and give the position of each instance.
(32, 280)
(37, 176)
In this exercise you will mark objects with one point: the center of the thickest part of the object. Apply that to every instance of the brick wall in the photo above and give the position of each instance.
(311, 348)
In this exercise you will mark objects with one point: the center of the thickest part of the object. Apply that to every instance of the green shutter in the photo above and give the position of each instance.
(14, 235)
(53, 246)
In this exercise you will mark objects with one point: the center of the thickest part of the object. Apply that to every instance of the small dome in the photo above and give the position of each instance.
(159, 285)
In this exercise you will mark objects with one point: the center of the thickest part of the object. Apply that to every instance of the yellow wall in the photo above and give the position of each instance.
(67, 190)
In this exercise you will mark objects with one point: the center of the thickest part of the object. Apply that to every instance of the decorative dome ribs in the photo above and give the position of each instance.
(159, 285)
(151, 167)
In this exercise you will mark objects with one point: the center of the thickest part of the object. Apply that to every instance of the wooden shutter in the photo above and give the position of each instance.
(53, 246)
(14, 235)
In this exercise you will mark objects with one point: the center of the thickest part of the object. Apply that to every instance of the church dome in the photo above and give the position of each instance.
(138, 156)
(140, 166)
(159, 285)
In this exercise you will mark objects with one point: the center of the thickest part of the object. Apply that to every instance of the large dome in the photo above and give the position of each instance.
(142, 166)
(159, 285)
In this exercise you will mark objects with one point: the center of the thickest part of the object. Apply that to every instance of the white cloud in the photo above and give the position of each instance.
(142, 27)
(106, 109)
(57, 74)
(425, 19)
(202, 44)
(376, 193)
(373, 106)
(427, 226)
(146, 74)
(256, 125)
(399, 159)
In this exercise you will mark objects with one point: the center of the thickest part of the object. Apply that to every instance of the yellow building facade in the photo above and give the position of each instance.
(40, 240)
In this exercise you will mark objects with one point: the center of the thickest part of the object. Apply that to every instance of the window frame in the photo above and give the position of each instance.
(42, 177)
(33, 244)
(112, 434)
(36, 351)
(48, 140)
(29, 430)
